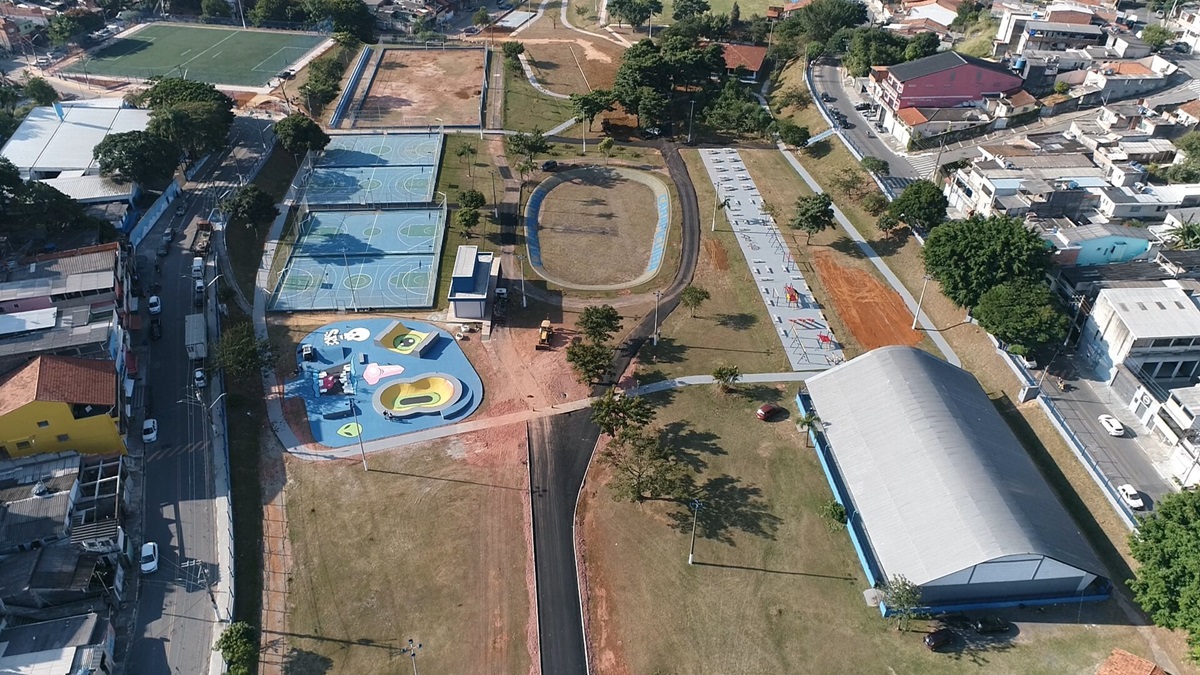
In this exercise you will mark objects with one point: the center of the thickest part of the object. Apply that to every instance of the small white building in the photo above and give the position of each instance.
(1153, 331)
(474, 276)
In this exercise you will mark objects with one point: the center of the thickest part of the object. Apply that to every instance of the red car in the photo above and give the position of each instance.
(768, 411)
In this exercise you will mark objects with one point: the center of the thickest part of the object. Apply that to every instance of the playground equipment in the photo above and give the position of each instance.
(545, 334)
(792, 295)
(433, 393)
(403, 340)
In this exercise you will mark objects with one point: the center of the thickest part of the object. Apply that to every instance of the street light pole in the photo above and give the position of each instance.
(917, 313)
(411, 650)
(358, 429)
(696, 504)
(657, 295)
(720, 203)
(691, 112)
(521, 262)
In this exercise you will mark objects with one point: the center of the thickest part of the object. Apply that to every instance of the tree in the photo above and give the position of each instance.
(807, 422)
(735, 15)
(349, 16)
(903, 597)
(214, 8)
(1157, 36)
(136, 156)
(922, 45)
(814, 213)
(467, 219)
(692, 297)
(466, 152)
(793, 135)
(299, 134)
(249, 206)
(875, 203)
(528, 145)
(822, 18)
(792, 96)
(726, 377)
(512, 49)
(644, 468)
(1167, 546)
(849, 181)
(877, 166)
(68, 26)
(1022, 313)
(265, 11)
(481, 17)
(168, 91)
(887, 224)
(1186, 236)
(869, 47)
(241, 353)
(239, 645)
(686, 9)
(1062, 88)
(599, 322)
(606, 148)
(588, 106)
(40, 91)
(471, 199)
(634, 12)
(591, 362)
(970, 257)
(195, 128)
(921, 203)
(614, 412)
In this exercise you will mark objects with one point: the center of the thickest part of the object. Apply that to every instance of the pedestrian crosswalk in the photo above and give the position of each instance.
(923, 165)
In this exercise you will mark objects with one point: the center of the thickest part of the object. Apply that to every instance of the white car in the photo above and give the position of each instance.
(149, 559)
(1111, 425)
(150, 431)
(154, 304)
(199, 378)
(1130, 496)
(198, 287)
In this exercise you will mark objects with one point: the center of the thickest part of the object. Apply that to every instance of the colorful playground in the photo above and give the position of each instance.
(374, 378)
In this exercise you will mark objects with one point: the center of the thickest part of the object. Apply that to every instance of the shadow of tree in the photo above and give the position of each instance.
(819, 149)
(739, 321)
(690, 445)
(303, 662)
(891, 244)
(727, 506)
(761, 393)
(847, 246)
(668, 350)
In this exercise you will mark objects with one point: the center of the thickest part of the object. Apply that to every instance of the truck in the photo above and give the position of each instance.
(545, 335)
(203, 236)
(195, 336)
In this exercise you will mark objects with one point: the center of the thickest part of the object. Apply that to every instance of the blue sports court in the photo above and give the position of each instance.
(356, 282)
(382, 150)
(332, 233)
(369, 185)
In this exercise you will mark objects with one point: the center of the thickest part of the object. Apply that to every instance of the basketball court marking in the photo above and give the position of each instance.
(356, 282)
(334, 233)
(371, 185)
(382, 150)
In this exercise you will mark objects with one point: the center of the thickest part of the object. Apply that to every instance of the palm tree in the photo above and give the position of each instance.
(466, 153)
(726, 376)
(1187, 235)
(807, 422)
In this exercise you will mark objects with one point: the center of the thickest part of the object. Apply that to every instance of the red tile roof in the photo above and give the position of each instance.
(745, 56)
(911, 116)
(62, 379)
(1022, 98)
(1122, 662)
(792, 7)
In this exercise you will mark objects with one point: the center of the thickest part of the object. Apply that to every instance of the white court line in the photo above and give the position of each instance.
(212, 47)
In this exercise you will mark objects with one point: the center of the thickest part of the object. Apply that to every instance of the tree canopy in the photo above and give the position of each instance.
(921, 203)
(634, 12)
(645, 468)
(71, 24)
(40, 91)
(241, 353)
(588, 106)
(614, 412)
(591, 361)
(814, 213)
(192, 115)
(970, 257)
(1021, 313)
(137, 156)
(822, 18)
(692, 297)
(30, 208)
(599, 322)
(1167, 582)
(250, 206)
(298, 134)
(686, 9)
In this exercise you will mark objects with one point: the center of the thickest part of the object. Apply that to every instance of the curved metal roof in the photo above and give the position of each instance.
(940, 481)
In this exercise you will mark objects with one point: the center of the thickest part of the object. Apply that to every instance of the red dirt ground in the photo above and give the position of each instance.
(874, 313)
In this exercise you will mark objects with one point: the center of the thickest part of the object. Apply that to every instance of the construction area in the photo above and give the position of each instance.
(415, 87)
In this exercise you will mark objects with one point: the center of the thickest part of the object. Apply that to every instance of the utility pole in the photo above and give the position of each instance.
(696, 504)
(411, 650)
(691, 112)
(657, 295)
(917, 313)
(358, 429)
(521, 262)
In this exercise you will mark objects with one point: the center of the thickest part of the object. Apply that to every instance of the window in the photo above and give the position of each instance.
(1134, 209)
(24, 445)
(63, 438)
(1162, 342)
(43, 424)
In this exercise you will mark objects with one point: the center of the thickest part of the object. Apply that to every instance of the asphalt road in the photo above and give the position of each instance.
(173, 633)
(1122, 459)
(560, 448)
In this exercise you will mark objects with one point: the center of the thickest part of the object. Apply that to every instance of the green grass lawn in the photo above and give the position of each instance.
(747, 8)
(454, 177)
(775, 590)
(526, 108)
(214, 55)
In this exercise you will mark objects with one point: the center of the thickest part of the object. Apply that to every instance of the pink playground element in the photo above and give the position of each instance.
(792, 294)
(375, 372)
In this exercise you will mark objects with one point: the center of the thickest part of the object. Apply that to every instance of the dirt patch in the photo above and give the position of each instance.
(874, 313)
(417, 87)
(716, 254)
(573, 66)
(597, 228)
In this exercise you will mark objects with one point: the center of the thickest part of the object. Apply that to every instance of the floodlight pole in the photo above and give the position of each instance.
(521, 262)
(358, 428)
(411, 650)
(917, 313)
(696, 504)
(657, 295)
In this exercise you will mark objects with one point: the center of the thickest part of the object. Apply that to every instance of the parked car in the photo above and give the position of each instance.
(150, 430)
(149, 558)
(1112, 425)
(939, 638)
(549, 165)
(827, 98)
(155, 328)
(990, 624)
(198, 287)
(168, 235)
(470, 30)
(767, 411)
(181, 210)
(199, 379)
(161, 251)
(154, 304)
(862, 106)
(1131, 497)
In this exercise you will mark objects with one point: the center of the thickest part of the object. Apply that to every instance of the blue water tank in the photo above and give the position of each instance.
(1020, 63)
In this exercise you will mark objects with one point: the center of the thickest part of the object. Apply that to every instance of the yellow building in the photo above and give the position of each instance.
(60, 403)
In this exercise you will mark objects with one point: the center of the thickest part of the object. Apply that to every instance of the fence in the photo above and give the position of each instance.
(222, 593)
(351, 87)
(160, 205)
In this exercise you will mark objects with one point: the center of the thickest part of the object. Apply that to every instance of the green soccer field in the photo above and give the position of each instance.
(229, 56)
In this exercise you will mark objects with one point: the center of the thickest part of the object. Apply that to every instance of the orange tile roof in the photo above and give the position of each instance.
(1122, 662)
(1125, 68)
(791, 7)
(63, 379)
(774, 12)
(749, 57)
(1191, 108)
(911, 116)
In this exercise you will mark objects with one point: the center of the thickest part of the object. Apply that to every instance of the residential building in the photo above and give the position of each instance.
(910, 124)
(1187, 28)
(939, 12)
(39, 16)
(1056, 36)
(60, 404)
(1155, 330)
(50, 576)
(1143, 202)
(1027, 178)
(17, 34)
(1013, 23)
(70, 646)
(944, 80)
(745, 61)
(71, 303)
(37, 495)
(1093, 244)
(937, 489)
(1075, 282)
(1111, 81)
(1187, 115)
(1121, 662)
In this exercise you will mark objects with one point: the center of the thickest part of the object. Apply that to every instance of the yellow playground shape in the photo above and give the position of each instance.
(432, 393)
(404, 340)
